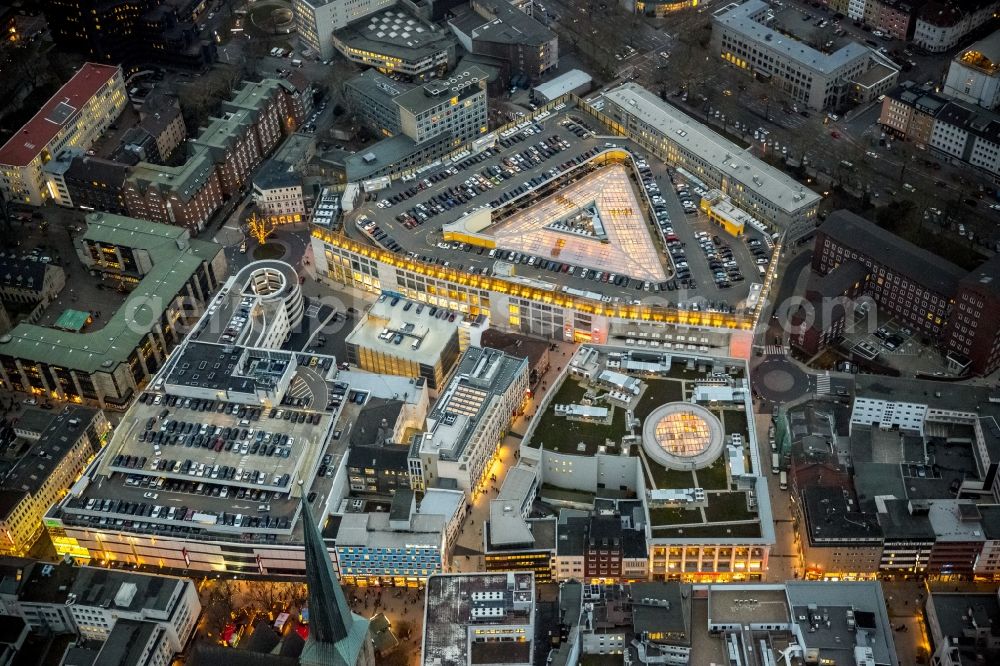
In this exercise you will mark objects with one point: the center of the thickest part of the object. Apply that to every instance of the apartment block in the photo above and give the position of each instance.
(940, 27)
(953, 131)
(60, 446)
(76, 116)
(222, 157)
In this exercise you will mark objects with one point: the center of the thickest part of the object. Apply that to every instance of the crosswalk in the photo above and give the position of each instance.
(312, 310)
(775, 350)
(823, 384)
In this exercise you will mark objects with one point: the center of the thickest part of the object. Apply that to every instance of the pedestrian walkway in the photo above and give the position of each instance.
(823, 384)
(775, 350)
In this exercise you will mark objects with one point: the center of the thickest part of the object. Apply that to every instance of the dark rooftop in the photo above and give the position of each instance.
(515, 344)
(22, 272)
(831, 519)
(11, 627)
(387, 457)
(127, 642)
(62, 433)
(898, 523)
(837, 282)
(376, 421)
(204, 654)
(890, 250)
(47, 583)
(95, 169)
(986, 277)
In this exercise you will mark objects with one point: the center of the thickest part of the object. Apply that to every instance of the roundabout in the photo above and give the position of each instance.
(779, 380)
(683, 436)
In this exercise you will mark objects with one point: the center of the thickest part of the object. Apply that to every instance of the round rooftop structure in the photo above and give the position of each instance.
(682, 435)
(277, 281)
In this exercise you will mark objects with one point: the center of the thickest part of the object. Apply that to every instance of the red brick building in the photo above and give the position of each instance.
(974, 326)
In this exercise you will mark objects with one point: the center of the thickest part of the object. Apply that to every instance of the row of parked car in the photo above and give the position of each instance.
(377, 234)
(205, 488)
(538, 180)
(201, 405)
(139, 510)
(725, 269)
(230, 440)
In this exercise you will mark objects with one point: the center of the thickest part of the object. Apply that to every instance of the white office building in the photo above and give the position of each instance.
(456, 104)
(315, 20)
(742, 37)
(469, 421)
(974, 74)
(90, 601)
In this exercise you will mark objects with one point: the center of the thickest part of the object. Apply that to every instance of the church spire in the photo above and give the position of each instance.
(329, 614)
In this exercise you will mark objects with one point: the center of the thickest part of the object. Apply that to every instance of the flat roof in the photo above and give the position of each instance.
(124, 590)
(740, 18)
(469, 79)
(410, 320)
(661, 607)
(507, 523)
(748, 605)
(959, 613)
(175, 258)
(833, 600)
(481, 376)
(898, 523)
(563, 84)
(733, 161)
(955, 520)
(448, 615)
(888, 249)
(35, 135)
(372, 530)
(398, 33)
(516, 344)
(831, 519)
(512, 26)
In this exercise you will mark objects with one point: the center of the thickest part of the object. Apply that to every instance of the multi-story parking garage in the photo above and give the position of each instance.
(466, 233)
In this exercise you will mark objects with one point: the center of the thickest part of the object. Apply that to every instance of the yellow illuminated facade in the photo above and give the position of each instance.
(373, 269)
(708, 563)
(25, 182)
(22, 525)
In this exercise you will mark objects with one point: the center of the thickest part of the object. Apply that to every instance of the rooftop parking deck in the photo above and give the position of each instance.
(664, 226)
